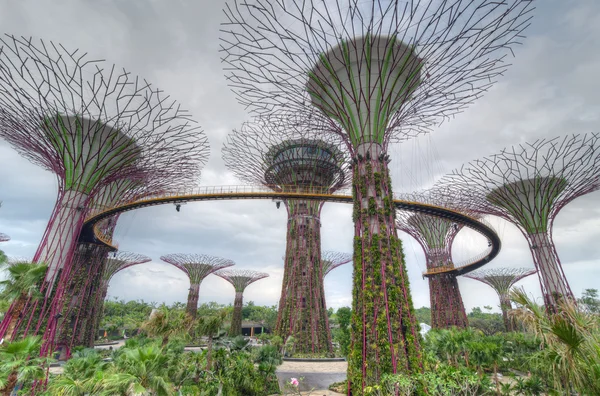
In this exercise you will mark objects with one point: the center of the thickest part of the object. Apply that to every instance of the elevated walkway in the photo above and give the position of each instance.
(92, 234)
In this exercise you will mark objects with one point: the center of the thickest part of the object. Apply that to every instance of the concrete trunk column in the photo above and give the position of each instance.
(236, 320)
(58, 243)
(505, 306)
(192, 301)
(551, 274)
(302, 313)
(384, 329)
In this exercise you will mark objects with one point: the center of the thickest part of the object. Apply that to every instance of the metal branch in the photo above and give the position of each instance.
(282, 153)
(438, 58)
(502, 280)
(331, 260)
(240, 278)
(120, 260)
(197, 266)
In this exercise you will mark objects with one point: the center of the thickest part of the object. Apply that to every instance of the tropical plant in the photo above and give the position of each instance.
(342, 334)
(139, 371)
(589, 301)
(20, 364)
(166, 323)
(570, 343)
(238, 343)
(210, 326)
(21, 284)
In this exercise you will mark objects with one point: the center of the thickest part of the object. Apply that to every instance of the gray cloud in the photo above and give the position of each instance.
(551, 90)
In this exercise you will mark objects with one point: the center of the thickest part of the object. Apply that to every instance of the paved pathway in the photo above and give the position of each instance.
(317, 375)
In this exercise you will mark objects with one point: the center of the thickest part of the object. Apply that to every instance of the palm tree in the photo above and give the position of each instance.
(139, 371)
(166, 323)
(19, 363)
(21, 285)
(210, 327)
(570, 340)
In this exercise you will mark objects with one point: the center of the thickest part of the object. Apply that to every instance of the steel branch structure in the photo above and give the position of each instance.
(91, 125)
(240, 279)
(502, 280)
(287, 157)
(197, 267)
(528, 185)
(377, 71)
(331, 260)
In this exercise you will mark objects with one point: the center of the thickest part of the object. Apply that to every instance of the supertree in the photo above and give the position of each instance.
(331, 260)
(90, 124)
(90, 255)
(435, 235)
(377, 71)
(286, 157)
(197, 267)
(115, 262)
(528, 185)
(240, 279)
(4, 237)
(502, 280)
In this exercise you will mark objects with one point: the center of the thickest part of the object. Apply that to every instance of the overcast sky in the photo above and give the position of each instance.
(551, 90)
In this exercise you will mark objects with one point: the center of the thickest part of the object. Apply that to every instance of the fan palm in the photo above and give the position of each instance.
(166, 323)
(21, 285)
(570, 340)
(139, 371)
(19, 363)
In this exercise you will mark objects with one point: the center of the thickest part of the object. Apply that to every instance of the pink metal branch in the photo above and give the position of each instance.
(331, 260)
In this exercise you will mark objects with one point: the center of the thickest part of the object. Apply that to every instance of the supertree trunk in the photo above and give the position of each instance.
(236, 320)
(58, 243)
(192, 301)
(552, 277)
(78, 285)
(55, 250)
(77, 311)
(447, 308)
(385, 337)
(505, 306)
(89, 308)
(302, 313)
(96, 315)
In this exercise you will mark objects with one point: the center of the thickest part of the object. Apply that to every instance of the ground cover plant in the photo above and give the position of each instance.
(551, 354)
